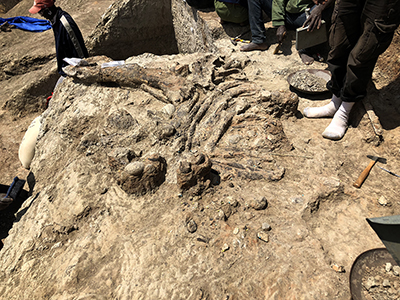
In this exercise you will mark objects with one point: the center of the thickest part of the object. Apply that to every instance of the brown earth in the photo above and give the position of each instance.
(81, 236)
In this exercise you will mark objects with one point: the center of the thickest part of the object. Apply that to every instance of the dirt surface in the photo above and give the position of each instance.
(291, 225)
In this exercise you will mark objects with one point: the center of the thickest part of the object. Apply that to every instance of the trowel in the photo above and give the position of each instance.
(388, 230)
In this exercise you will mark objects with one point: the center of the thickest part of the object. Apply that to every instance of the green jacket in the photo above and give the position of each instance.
(280, 7)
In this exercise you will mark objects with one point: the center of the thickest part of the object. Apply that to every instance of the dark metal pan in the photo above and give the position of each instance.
(325, 75)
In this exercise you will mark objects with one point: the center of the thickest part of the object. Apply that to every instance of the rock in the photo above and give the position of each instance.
(297, 199)
(396, 270)
(337, 268)
(263, 236)
(232, 201)
(266, 227)
(383, 201)
(140, 178)
(135, 168)
(370, 283)
(388, 267)
(191, 226)
(236, 231)
(386, 283)
(259, 203)
(225, 247)
(122, 155)
(168, 109)
(220, 215)
(194, 173)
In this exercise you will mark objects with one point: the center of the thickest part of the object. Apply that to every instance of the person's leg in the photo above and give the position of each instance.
(360, 65)
(256, 21)
(337, 127)
(344, 34)
(337, 61)
(327, 110)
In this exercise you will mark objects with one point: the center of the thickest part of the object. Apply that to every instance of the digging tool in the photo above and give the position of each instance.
(365, 173)
(238, 38)
(388, 230)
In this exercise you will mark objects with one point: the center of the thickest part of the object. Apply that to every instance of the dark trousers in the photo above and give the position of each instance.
(256, 9)
(292, 21)
(362, 30)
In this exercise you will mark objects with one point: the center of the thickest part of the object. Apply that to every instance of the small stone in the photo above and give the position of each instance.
(396, 270)
(382, 201)
(232, 201)
(236, 231)
(337, 268)
(168, 109)
(259, 204)
(396, 285)
(297, 199)
(135, 168)
(388, 267)
(370, 283)
(386, 283)
(191, 226)
(266, 227)
(263, 236)
(225, 248)
(221, 215)
(57, 245)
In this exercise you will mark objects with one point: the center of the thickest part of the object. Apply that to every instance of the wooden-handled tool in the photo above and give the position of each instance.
(366, 171)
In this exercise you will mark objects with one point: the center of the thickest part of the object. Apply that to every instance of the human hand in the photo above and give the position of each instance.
(315, 18)
(280, 33)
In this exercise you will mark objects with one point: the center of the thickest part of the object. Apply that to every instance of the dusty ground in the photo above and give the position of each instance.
(316, 215)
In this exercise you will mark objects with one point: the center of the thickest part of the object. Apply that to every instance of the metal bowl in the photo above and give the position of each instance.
(323, 74)
(359, 270)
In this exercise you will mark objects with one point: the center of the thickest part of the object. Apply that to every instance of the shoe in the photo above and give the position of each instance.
(253, 46)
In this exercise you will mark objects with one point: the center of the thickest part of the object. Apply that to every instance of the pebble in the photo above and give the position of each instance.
(225, 248)
(386, 283)
(135, 168)
(236, 231)
(259, 204)
(221, 215)
(383, 201)
(191, 226)
(396, 270)
(265, 227)
(337, 268)
(232, 201)
(370, 283)
(388, 267)
(297, 199)
(263, 236)
(168, 109)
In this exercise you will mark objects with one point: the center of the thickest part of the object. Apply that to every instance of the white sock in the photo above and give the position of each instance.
(338, 125)
(323, 111)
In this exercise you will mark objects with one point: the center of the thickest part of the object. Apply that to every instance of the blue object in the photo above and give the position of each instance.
(11, 186)
(28, 23)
